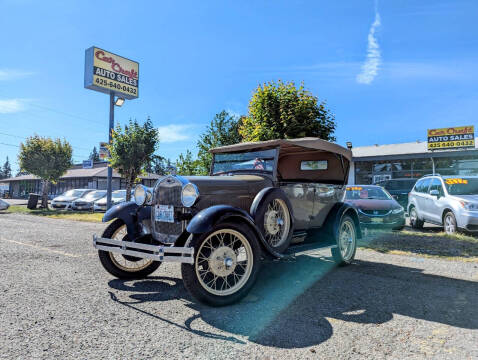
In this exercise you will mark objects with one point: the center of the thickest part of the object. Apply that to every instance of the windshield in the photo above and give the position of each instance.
(119, 194)
(253, 160)
(73, 193)
(366, 192)
(94, 195)
(462, 186)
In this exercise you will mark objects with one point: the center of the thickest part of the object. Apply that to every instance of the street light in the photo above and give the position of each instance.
(349, 144)
(119, 101)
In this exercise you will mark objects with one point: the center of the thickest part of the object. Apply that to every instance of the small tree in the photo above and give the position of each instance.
(7, 169)
(283, 111)
(223, 130)
(186, 165)
(94, 155)
(46, 158)
(132, 150)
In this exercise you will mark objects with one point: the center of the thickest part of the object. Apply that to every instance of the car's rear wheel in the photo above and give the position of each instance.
(346, 239)
(227, 260)
(124, 266)
(415, 221)
(449, 223)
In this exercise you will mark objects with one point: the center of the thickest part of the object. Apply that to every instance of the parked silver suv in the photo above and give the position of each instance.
(450, 201)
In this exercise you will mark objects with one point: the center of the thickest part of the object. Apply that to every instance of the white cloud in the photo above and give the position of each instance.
(373, 60)
(173, 133)
(10, 74)
(12, 106)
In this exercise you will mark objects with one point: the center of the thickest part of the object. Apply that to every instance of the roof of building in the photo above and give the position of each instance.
(417, 147)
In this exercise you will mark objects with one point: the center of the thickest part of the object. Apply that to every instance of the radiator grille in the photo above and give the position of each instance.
(167, 192)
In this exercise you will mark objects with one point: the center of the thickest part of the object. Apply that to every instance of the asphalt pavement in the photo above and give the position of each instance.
(56, 301)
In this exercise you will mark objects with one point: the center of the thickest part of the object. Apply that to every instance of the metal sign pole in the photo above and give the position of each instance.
(110, 136)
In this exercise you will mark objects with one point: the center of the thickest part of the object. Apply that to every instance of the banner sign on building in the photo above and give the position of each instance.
(87, 164)
(453, 137)
(107, 72)
(104, 153)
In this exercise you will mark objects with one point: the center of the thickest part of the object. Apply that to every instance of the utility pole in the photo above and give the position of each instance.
(110, 138)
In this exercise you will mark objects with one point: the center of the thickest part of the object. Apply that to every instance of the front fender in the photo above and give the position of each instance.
(335, 216)
(205, 220)
(131, 214)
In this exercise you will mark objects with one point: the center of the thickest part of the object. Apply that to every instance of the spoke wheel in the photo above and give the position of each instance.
(127, 262)
(347, 239)
(277, 223)
(224, 262)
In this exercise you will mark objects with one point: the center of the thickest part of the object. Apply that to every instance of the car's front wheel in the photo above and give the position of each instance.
(449, 223)
(124, 266)
(346, 238)
(227, 260)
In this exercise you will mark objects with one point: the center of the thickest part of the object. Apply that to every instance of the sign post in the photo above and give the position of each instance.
(114, 75)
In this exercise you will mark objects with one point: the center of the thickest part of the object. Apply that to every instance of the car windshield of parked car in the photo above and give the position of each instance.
(95, 195)
(74, 193)
(366, 192)
(462, 186)
(118, 194)
(252, 160)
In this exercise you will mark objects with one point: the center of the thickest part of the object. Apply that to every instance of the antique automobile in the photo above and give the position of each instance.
(261, 200)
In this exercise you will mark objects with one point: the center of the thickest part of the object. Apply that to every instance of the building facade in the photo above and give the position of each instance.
(375, 163)
(74, 178)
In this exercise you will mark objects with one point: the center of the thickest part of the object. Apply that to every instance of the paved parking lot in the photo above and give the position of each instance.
(57, 302)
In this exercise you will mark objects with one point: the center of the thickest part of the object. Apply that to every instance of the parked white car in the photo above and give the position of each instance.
(86, 202)
(64, 200)
(117, 197)
(4, 205)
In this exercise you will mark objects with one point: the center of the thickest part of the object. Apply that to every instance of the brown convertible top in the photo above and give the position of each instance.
(287, 146)
(292, 152)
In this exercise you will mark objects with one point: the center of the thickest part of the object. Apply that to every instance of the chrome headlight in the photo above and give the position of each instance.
(142, 195)
(397, 210)
(189, 194)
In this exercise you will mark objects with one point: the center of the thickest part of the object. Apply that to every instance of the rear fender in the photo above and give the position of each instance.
(131, 214)
(338, 211)
(205, 220)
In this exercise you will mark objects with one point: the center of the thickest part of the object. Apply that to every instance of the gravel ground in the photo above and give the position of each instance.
(57, 302)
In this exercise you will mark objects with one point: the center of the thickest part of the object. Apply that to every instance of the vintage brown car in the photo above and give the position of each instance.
(262, 199)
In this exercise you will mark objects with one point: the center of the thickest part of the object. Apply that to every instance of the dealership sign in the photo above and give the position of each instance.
(104, 153)
(110, 73)
(88, 164)
(453, 137)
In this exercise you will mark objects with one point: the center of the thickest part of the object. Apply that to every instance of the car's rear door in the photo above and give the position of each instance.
(421, 196)
(435, 203)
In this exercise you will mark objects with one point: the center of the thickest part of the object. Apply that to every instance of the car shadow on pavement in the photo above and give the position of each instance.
(294, 304)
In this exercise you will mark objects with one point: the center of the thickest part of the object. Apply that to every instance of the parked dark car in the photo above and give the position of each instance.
(399, 189)
(377, 209)
(258, 200)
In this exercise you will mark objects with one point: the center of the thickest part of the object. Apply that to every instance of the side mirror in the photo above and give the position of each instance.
(435, 193)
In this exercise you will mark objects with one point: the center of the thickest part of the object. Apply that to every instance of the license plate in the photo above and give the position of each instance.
(164, 213)
(377, 220)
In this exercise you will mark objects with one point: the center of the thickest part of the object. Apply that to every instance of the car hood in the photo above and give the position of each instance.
(65, 198)
(237, 184)
(472, 198)
(371, 204)
(114, 201)
(85, 200)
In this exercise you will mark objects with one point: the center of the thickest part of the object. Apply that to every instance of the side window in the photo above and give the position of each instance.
(418, 186)
(436, 185)
(422, 185)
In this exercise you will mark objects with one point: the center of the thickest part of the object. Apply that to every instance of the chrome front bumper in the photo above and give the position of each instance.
(145, 251)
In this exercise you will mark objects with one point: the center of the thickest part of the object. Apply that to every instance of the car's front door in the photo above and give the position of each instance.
(301, 197)
(325, 198)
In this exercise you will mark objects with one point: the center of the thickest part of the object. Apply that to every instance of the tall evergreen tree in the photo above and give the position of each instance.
(94, 155)
(6, 170)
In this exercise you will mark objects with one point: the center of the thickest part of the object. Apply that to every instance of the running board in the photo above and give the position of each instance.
(304, 248)
(145, 251)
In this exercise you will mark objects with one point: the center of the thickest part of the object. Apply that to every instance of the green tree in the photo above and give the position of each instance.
(46, 158)
(94, 155)
(132, 149)
(7, 169)
(160, 166)
(283, 111)
(223, 130)
(186, 165)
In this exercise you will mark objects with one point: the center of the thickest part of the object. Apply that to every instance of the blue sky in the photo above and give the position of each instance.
(388, 70)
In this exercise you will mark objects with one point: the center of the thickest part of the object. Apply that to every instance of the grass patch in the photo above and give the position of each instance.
(57, 214)
(427, 243)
